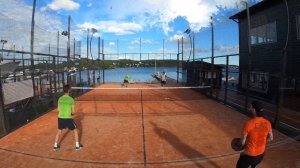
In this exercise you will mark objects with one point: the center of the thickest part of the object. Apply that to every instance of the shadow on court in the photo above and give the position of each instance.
(173, 129)
(185, 149)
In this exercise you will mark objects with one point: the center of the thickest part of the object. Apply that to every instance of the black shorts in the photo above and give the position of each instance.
(163, 82)
(64, 123)
(245, 161)
(125, 81)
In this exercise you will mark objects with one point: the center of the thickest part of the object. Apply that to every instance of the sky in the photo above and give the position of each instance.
(128, 26)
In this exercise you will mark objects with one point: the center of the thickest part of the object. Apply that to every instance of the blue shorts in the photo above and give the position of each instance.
(64, 123)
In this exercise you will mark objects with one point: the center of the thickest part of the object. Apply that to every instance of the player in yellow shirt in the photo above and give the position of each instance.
(66, 108)
(126, 80)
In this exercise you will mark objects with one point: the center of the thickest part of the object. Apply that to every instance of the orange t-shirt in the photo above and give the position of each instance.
(257, 130)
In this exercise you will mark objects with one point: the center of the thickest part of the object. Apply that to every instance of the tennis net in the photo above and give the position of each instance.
(138, 93)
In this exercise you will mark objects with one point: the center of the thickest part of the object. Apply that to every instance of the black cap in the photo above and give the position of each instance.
(257, 105)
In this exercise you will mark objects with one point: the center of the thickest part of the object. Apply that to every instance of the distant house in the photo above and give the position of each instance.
(202, 73)
(274, 25)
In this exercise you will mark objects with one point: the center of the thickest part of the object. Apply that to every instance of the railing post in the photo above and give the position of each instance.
(3, 120)
(226, 80)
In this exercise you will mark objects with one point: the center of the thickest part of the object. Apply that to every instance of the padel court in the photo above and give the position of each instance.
(147, 127)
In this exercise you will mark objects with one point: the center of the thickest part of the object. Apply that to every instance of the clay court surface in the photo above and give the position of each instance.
(141, 128)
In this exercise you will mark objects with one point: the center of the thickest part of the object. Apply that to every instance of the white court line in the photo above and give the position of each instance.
(141, 88)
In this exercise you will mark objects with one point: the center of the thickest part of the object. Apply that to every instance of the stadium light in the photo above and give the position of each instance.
(93, 32)
(65, 33)
(189, 31)
(3, 41)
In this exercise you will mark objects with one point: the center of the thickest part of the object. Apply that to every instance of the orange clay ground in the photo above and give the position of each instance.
(178, 129)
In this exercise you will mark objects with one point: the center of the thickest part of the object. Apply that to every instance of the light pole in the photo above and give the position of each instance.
(2, 118)
(249, 55)
(1, 58)
(93, 32)
(192, 42)
(3, 42)
(188, 31)
(66, 33)
(32, 46)
(212, 55)
(155, 62)
(283, 70)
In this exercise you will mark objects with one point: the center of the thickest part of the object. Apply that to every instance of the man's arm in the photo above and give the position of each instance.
(243, 140)
(270, 136)
(73, 108)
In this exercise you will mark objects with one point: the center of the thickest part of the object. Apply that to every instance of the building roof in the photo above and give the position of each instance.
(206, 65)
(17, 91)
(257, 7)
(8, 68)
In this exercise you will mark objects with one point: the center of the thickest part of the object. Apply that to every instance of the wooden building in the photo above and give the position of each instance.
(275, 47)
(200, 73)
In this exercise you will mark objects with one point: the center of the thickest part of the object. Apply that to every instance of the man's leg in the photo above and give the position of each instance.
(76, 135)
(56, 146)
(78, 146)
(257, 160)
(243, 162)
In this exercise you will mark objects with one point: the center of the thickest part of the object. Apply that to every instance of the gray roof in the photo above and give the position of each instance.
(8, 68)
(17, 91)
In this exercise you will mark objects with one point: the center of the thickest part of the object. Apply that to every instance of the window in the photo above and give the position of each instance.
(259, 81)
(264, 34)
(298, 26)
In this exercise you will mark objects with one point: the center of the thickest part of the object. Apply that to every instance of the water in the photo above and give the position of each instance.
(136, 74)
(232, 74)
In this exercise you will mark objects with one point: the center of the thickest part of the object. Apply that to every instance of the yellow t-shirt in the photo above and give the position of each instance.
(65, 106)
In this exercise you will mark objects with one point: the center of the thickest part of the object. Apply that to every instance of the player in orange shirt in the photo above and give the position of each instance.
(255, 134)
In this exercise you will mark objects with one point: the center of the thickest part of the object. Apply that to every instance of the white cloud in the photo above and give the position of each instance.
(119, 28)
(62, 5)
(223, 49)
(200, 50)
(112, 43)
(163, 12)
(147, 41)
(135, 41)
(176, 37)
(131, 47)
(15, 19)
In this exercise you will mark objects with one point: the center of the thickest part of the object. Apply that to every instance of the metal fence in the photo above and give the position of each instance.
(32, 81)
(226, 80)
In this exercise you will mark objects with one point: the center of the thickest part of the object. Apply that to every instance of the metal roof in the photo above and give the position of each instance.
(8, 68)
(257, 7)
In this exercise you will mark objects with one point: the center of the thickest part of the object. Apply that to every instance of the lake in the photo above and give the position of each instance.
(143, 74)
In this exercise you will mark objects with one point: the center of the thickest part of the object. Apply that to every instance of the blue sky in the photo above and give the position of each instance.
(121, 23)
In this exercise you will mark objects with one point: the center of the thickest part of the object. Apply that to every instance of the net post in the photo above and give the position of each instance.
(103, 73)
(178, 63)
(226, 80)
